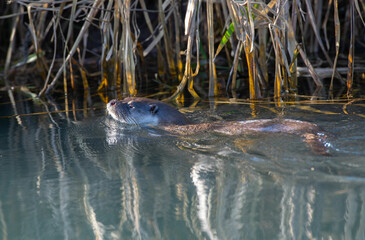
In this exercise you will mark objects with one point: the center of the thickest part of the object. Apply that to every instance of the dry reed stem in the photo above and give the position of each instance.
(232, 80)
(187, 74)
(127, 49)
(116, 81)
(262, 32)
(177, 41)
(213, 90)
(10, 48)
(337, 39)
(251, 70)
(350, 64)
(191, 28)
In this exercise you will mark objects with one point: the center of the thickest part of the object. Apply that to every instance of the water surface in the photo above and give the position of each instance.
(84, 176)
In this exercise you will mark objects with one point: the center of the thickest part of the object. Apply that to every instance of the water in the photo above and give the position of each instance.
(91, 178)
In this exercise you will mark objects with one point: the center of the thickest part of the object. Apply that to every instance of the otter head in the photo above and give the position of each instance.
(144, 111)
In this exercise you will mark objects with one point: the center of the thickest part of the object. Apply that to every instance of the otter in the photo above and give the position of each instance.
(145, 111)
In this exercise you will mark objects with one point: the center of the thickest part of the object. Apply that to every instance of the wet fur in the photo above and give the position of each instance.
(153, 112)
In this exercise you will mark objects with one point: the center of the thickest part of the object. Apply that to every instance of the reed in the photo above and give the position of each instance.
(122, 41)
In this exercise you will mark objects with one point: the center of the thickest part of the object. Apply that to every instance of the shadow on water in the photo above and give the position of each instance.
(98, 179)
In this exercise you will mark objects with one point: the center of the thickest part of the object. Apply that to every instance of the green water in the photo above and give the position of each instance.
(88, 177)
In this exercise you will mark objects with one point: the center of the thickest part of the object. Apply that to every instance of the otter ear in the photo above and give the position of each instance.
(153, 108)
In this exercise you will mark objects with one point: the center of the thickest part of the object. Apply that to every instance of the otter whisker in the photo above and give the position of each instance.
(130, 120)
(134, 122)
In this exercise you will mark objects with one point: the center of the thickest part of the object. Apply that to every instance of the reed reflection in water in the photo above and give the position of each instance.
(96, 179)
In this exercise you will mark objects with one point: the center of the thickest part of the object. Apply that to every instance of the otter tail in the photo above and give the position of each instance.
(317, 142)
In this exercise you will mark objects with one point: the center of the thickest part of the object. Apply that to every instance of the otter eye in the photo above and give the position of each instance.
(153, 109)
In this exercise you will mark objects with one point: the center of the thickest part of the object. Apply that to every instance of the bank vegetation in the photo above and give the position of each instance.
(206, 48)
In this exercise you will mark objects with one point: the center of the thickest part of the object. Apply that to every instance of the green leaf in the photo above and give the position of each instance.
(225, 39)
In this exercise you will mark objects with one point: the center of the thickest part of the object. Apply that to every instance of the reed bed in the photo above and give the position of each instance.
(208, 48)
